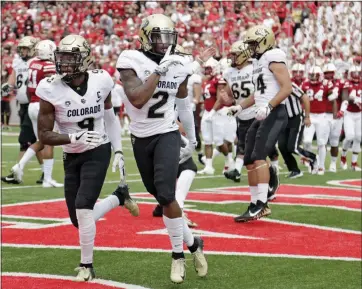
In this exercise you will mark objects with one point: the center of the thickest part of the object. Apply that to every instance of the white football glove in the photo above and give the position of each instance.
(333, 95)
(263, 112)
(167, 61)
(358, 101)
(118, 161)
(209, 117)
(186, 152)
(234, 110)
(91, 138)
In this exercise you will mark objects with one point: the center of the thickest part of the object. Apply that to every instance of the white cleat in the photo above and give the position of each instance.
(178, 272)
(189, 223)
(84, 274)
(206, 171)
(320, 172)
(356, 168)
(52, 184)
(333, 168)
(18, 173)
(200, 262)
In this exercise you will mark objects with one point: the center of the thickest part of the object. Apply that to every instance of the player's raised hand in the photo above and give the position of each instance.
(167, 61)
(91, 138)
(207, 53)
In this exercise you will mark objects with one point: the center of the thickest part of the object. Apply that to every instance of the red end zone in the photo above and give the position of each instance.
(40, 281)
(221, 234)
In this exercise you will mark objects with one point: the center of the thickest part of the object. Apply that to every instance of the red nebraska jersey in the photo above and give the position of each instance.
(318, 95)
(338, 85)
(299, 83)
(209, 88)
(354, 89)
(38, 69)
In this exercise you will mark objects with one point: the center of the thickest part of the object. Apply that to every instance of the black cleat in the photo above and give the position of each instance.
(157, 212)
(199, 157)
(10, 180)
(40, 181)
(122, 193)
(294, 175)
(233, 175)
(246, 216)
(273, 183)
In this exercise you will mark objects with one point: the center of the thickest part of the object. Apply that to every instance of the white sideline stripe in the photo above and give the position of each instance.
(325, 228)
(247, 202)
(111, 283)
(339, 183)
(35, 218)
(107, 182)
(9, 245)
(7, 144)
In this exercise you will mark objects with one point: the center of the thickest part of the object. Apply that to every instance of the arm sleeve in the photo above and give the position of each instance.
(186, 117)
(113, 129)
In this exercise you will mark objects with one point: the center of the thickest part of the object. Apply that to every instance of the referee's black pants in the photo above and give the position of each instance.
(289, 143)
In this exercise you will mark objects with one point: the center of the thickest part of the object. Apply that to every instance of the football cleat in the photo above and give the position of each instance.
(52, 184)
(84, 274)
(157, 212)
(246, 216)
(125, 200)
(178, 271)
(294, 175)
(17, 172)
(355, 167)
(333, 167)
(201, 158)
(344, 163)
(274, 183)
(10, 180)
(320, 171)
(199, 259)
(40, 181)
(233, 175)
(206, 171)
(189, 223)
(313, 166)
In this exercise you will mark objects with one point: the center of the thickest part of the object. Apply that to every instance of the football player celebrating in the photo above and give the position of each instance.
(40, 67)
(79, 101)
(351, 109)
(272, 86)
(329, 71)
(212, 122)
(17, 80)
(154, 81)
(320, 94)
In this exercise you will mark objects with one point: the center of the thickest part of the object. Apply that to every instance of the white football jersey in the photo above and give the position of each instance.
(117, 95)
(21, 79)
(265, 84)
(157, 116)
(240, 83)
(75, 113)
(193, 79)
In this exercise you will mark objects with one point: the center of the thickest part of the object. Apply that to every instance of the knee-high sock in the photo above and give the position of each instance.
(183, 186)
(239, 162)
(188, 237)
(87, 233)
(322, 151)
(175, 232)
(103, 207)
(26, 157)
(48, 168)
(215, 153)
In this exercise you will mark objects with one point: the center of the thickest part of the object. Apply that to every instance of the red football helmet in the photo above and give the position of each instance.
(354, 73)
(329, 71)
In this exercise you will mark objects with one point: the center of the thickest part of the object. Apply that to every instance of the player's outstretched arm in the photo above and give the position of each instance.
(281, 74)
(46, 120)
(137, 92)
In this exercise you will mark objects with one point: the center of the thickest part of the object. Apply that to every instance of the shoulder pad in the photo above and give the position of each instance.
(276, 55)
(127, 58)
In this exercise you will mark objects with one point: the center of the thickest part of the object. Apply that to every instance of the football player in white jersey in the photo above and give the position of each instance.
(79, 102)
(154, 81)
(272, 84)
(40, 67)
(17, 81)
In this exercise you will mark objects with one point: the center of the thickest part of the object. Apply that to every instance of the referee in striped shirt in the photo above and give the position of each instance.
(289, 141)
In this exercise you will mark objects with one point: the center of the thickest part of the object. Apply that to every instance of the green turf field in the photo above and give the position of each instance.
(312, 242)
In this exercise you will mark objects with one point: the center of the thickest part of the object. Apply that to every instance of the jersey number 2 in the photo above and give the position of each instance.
(152, 111)
(87, 123)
